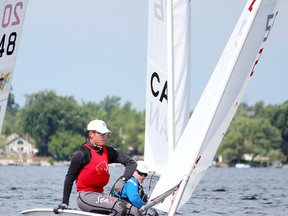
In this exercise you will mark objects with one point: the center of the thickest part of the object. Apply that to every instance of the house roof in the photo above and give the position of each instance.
(14, 136)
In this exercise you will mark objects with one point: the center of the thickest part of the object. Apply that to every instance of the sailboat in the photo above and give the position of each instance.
(190, 155)
(159, 73)
(12, 14)
(206, 128)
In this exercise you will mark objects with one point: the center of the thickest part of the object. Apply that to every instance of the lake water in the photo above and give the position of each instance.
(223, 191)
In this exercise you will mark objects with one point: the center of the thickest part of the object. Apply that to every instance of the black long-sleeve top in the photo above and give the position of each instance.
(79, 160)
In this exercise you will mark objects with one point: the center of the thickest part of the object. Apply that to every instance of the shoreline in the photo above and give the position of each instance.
(46, 163)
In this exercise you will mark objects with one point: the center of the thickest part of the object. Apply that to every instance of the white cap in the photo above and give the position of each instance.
(142, 167)
(98, 125)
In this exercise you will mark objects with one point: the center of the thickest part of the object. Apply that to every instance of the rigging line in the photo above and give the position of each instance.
(151, 178)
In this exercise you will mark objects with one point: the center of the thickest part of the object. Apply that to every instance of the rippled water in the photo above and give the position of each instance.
(223, 191)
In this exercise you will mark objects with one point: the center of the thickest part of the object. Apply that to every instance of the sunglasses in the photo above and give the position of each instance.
(142, 174)
(101, 134)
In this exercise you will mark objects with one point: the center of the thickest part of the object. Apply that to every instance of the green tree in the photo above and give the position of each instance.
(253, 136)
(232, 146)
(275, 155)
(2, 143)
(130, 125)
(63, 144)
(279, 118)
(9, 124)
(45, 113)
(263, 137)
(258, 108)
(110, 105)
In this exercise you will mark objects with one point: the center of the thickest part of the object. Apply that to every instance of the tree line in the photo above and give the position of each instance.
(57, 126)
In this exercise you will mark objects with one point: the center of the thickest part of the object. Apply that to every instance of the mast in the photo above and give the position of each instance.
(170, 71)
(178, 196)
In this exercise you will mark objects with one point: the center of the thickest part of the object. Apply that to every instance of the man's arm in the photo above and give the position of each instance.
(116, 156)
(75, 167)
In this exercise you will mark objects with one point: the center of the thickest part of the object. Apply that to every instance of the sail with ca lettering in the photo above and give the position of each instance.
(168, 70)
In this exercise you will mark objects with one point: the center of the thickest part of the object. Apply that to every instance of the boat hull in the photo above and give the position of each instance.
(49, 212)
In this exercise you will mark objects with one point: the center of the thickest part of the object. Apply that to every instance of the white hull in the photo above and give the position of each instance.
(49, 212)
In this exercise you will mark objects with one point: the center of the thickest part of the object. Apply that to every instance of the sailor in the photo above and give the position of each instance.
(89, 167)
(133, 190)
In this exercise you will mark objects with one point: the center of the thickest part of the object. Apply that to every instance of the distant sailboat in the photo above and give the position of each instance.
(200, 140)
(12, 14)
(168, 70)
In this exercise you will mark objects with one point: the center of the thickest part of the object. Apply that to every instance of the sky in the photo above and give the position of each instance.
(90, 49)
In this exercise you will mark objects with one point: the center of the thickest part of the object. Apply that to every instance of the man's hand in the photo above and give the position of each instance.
(60, 206)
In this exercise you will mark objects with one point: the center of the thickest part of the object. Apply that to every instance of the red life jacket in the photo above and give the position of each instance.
(94, 175)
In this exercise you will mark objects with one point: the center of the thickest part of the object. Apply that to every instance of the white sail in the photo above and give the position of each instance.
(206, 128)
(12, 14)
(159, 49)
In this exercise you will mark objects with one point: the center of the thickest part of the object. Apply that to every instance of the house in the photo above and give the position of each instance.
(18, 146)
